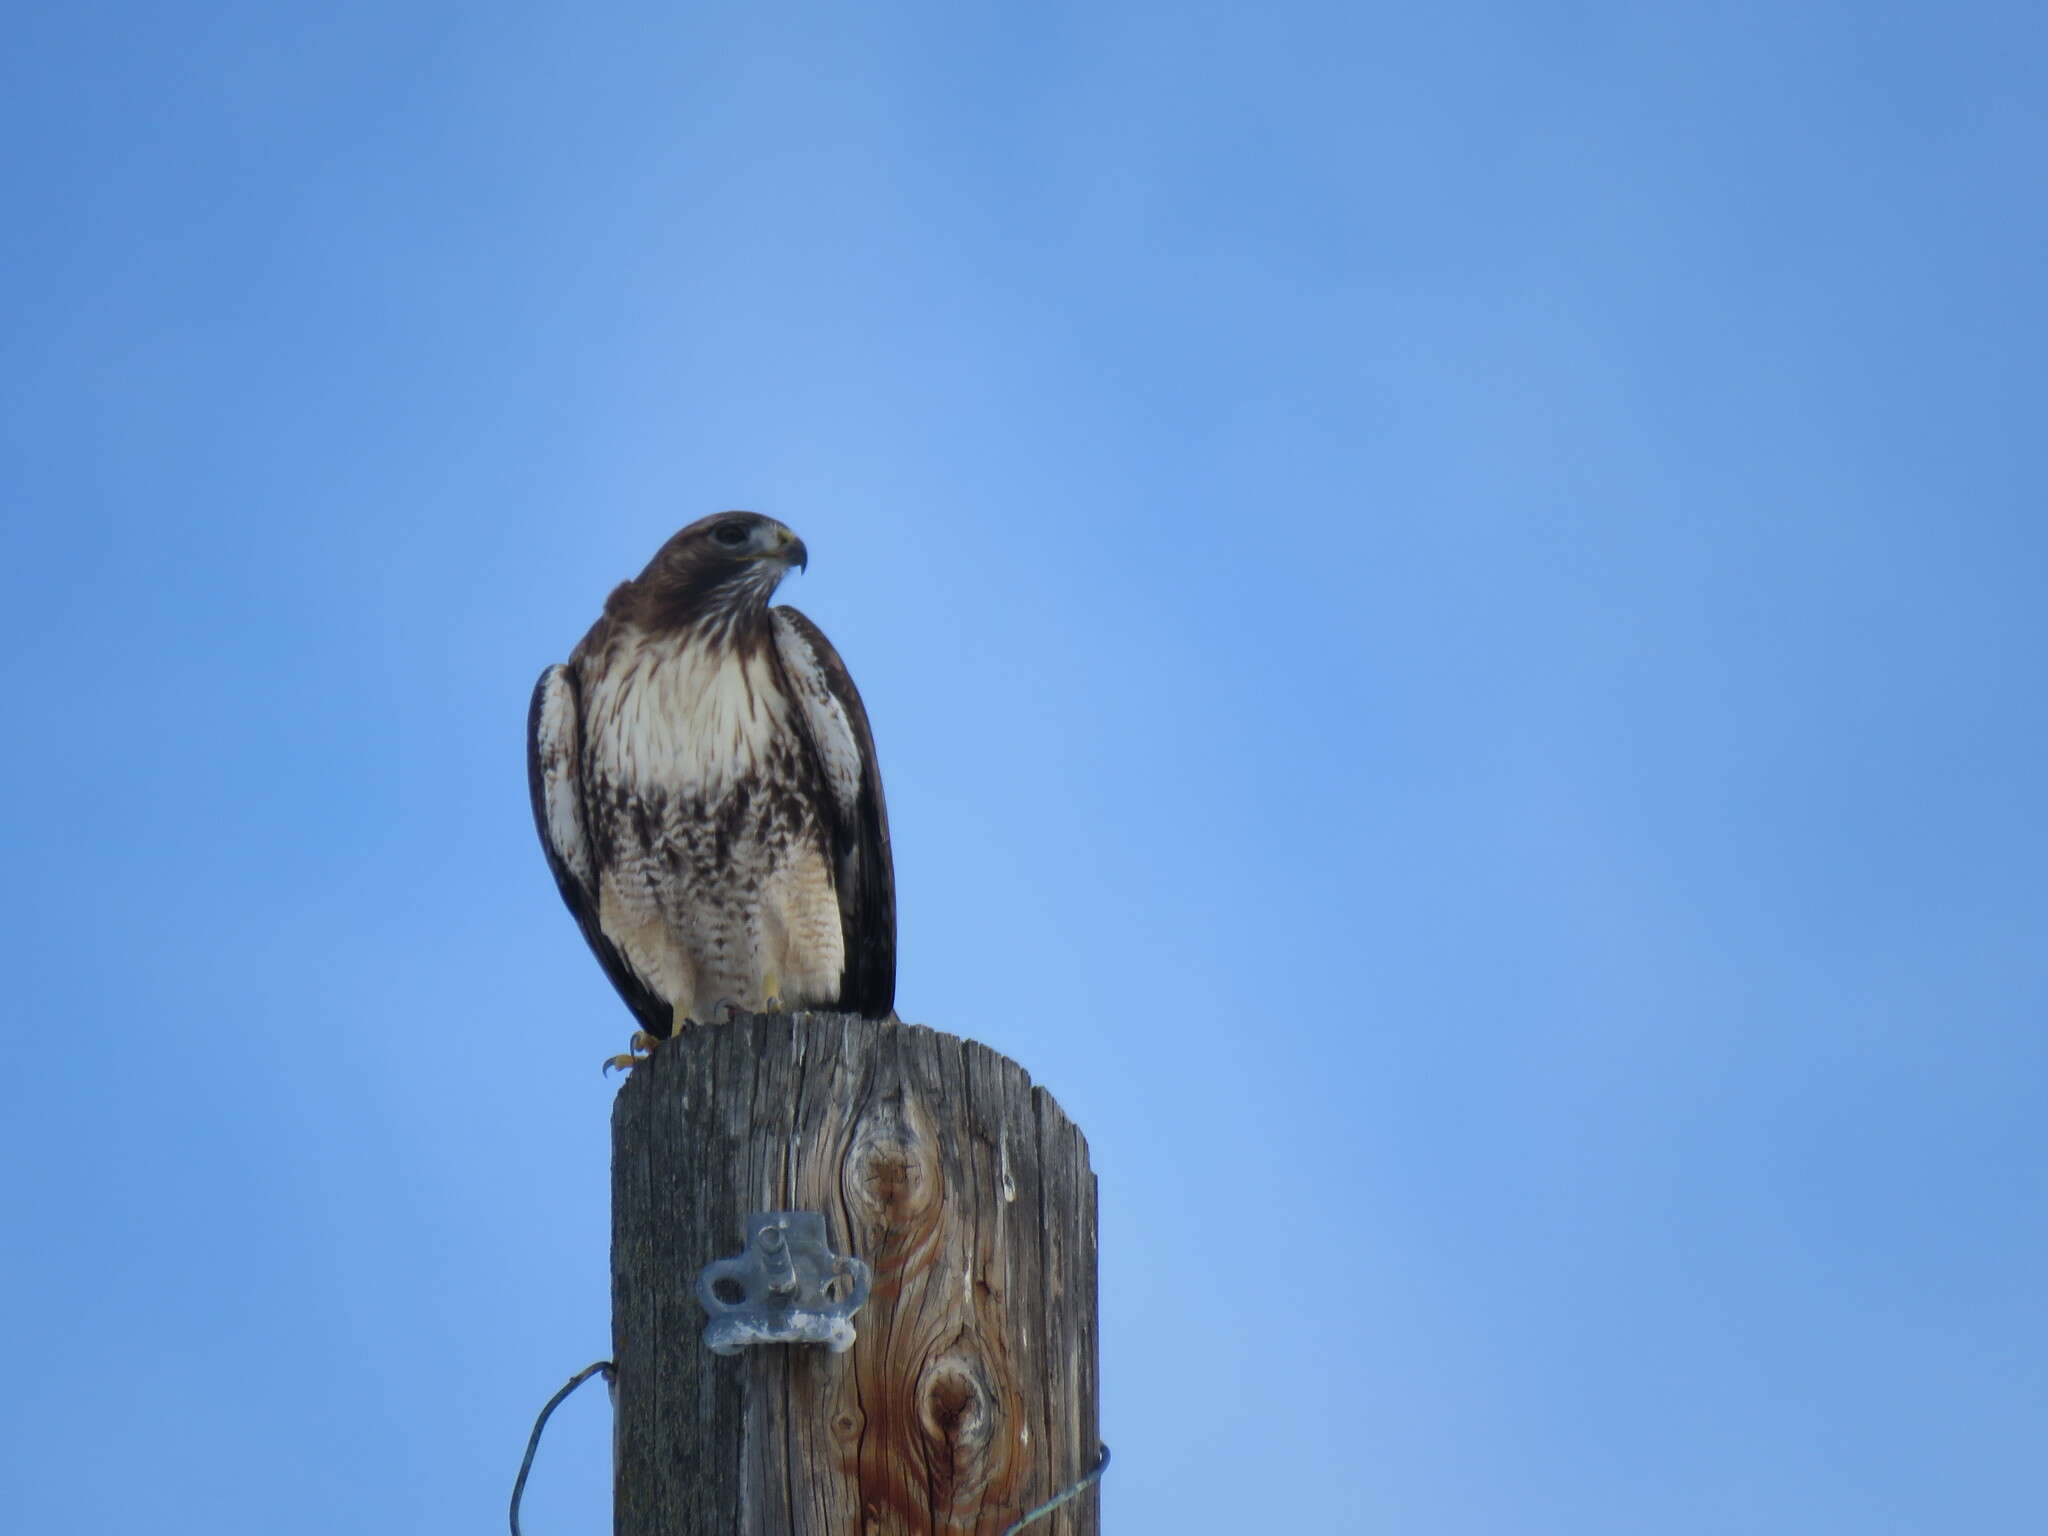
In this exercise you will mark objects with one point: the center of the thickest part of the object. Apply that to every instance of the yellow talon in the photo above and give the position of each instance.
(637, 1050)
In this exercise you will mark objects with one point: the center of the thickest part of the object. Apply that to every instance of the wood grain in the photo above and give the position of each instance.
(970, 1394)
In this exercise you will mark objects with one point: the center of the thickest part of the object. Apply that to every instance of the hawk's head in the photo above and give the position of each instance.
(719, 572)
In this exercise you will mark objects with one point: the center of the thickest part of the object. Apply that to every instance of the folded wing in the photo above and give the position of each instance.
(835, 724)
(554, 777)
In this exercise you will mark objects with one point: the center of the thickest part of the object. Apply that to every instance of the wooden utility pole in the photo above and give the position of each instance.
(970, 1394)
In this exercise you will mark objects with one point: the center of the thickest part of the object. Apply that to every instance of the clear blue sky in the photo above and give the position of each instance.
(1453, 599)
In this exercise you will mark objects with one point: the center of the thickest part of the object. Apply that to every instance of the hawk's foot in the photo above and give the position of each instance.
(637, 1050)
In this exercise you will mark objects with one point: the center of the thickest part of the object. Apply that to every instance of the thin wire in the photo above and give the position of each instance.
(603, 1367)
(1053, 1503)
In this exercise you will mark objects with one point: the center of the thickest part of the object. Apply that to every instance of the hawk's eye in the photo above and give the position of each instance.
(731, 535)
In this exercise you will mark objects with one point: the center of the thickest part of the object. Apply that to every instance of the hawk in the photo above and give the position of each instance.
(704, 785)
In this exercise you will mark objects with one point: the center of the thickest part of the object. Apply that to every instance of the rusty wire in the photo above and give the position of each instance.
(1053, 1503)
(602, 1367)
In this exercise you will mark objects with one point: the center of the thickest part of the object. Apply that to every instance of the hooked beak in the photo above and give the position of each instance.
(792, 551)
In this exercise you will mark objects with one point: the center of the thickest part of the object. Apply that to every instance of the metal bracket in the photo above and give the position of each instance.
(788, 1287)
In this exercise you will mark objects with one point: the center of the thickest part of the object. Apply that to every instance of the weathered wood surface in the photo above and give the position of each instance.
(970, 1395)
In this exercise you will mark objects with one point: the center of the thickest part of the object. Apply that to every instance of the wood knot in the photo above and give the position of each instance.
(892, 1167)
(957, 1408)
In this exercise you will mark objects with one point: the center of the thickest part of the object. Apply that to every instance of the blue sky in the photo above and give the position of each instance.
(1452, 600)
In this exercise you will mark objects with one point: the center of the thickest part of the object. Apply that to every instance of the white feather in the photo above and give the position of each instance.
(685, 715)
(826, 716)
(557, 734)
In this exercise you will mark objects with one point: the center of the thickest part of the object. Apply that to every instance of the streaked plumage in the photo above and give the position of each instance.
(704, 784)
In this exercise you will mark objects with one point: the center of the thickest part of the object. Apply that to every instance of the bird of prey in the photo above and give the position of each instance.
(705, 787)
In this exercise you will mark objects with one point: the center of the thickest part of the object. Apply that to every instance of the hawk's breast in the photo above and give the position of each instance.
(716, 881)
(679, 714)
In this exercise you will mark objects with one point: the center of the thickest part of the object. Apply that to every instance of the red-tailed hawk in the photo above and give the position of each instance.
(704, 783)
